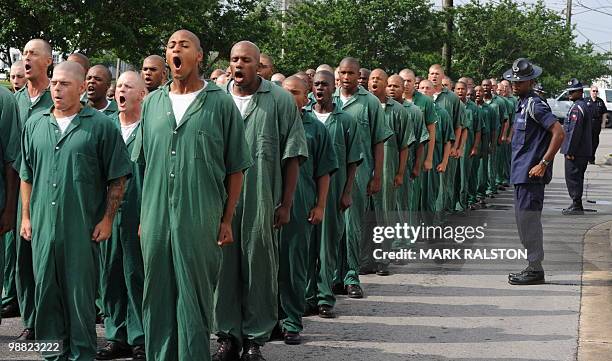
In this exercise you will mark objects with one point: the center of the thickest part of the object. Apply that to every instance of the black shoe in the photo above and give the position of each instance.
(501, 187)
(113, 350)
(591, 162)
(326, 311)
(27, 335)
(226, 351)
(138, 353)
(11, 310)
(507, 185)
(516, 274)
(482, 203)
(528, 278)
(573, 210)
(251, 352)
(310, 310)
(277, 333)
(99, 320)
(383, 270)
(354, 291)
(292, 338)
(339, 289)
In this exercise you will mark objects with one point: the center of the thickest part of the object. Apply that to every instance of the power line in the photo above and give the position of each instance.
(595, 10)
(591, 41)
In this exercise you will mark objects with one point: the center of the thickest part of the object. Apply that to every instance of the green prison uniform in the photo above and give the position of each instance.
(9, 153)
(246, 299)
(470, 122)
(498, 116)
(24, 269)
(489, 117)
(111, 109)
(325, 239)
(387, 201)
(183, 198)
(504, 107)
(478, 126)
(450, 102)
(370, 117)
(506, 153)
(410, 192)
(432, 193)
(295, 236)
(122, 274)
(513, 105)
(69, 174)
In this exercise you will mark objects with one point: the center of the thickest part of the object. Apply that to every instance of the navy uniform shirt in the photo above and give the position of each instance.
(578, 131)
(531, 138)
(597, 108)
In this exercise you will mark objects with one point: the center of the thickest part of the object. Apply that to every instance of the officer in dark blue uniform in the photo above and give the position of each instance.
(598, 109)
(577, 146)
(537, 138)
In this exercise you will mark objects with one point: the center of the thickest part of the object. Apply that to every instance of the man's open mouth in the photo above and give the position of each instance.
(122, 100)
(177, 62)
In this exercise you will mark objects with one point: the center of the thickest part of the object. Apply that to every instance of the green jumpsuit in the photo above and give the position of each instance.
(489, 118)
(111, 109)
(9, 152)
(410, 191)
(500, 156)
(24, 269)
(433, 193)
(295, 236)
(503, 175)
(387, 201)
(470, 122)
(122, 274)
(246, 299)
(183, 199)
(69, 174)
(498, 112)
(451, 103)
(472, 172)
(368, 112)
(512, 113)
(326, 236)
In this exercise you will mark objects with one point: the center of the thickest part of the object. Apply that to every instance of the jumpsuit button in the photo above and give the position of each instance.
(55, 184)
(175, 132)
(56, 148)
(171, 175)
(57, 131)
(168, 113)
(173, 152)
(52, 203)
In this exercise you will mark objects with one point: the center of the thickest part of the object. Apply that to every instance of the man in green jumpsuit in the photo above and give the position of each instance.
(153, 72)
(499, 110)
(447, 100)
(72, 181)
(368, 112)
(98, 81)
(505, 92)
(193, 145)
(326, 236)
(407, 206)
(84, 61)
(122, 275)
(433, 194)
(469, 148)
(308, 209)
(488, 117)
(502, 143)
(426, 105)
(9, 150)
(246, 299)
(32, 100)
(386, 202)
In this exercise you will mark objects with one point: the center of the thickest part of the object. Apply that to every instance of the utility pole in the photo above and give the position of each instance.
(568, 14)
(447, 52)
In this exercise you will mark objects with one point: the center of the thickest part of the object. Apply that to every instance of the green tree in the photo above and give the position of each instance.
(392, 34)
(490, 36)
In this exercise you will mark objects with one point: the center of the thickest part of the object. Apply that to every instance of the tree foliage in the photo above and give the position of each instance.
(489, 37)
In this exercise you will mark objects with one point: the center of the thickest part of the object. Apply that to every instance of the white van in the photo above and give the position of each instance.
(561, 104)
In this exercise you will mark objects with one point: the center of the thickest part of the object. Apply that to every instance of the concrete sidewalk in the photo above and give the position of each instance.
(466, 310)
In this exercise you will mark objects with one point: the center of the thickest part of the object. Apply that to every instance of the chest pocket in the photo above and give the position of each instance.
(520, 130)
(207, 146)
(85, 168)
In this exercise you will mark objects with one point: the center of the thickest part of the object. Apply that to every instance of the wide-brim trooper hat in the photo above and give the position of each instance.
(522, 70)
(574, 84)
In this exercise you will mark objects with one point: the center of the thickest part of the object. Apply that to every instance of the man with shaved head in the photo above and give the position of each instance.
(343, 130)
(325, 67)
(409, 192)
(499, 109)
(32, 100)
(191, 140)
(277, 78)
(122, 275)
(448, 83)
(84, 61)
(266, 66)
(504, 92)
(246, 299)
(98, 81)
(69, 216)
(433, 201)
(364, 77)
(488, 117)
(396, 152)
(445, 98)
(309, 204)
(214, 75)
(17, 76)
(374, 131)
(153, 72)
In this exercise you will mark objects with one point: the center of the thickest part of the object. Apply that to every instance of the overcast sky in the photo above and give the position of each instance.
(591, 24)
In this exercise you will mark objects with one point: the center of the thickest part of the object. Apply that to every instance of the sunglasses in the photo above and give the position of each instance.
(595, 91)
